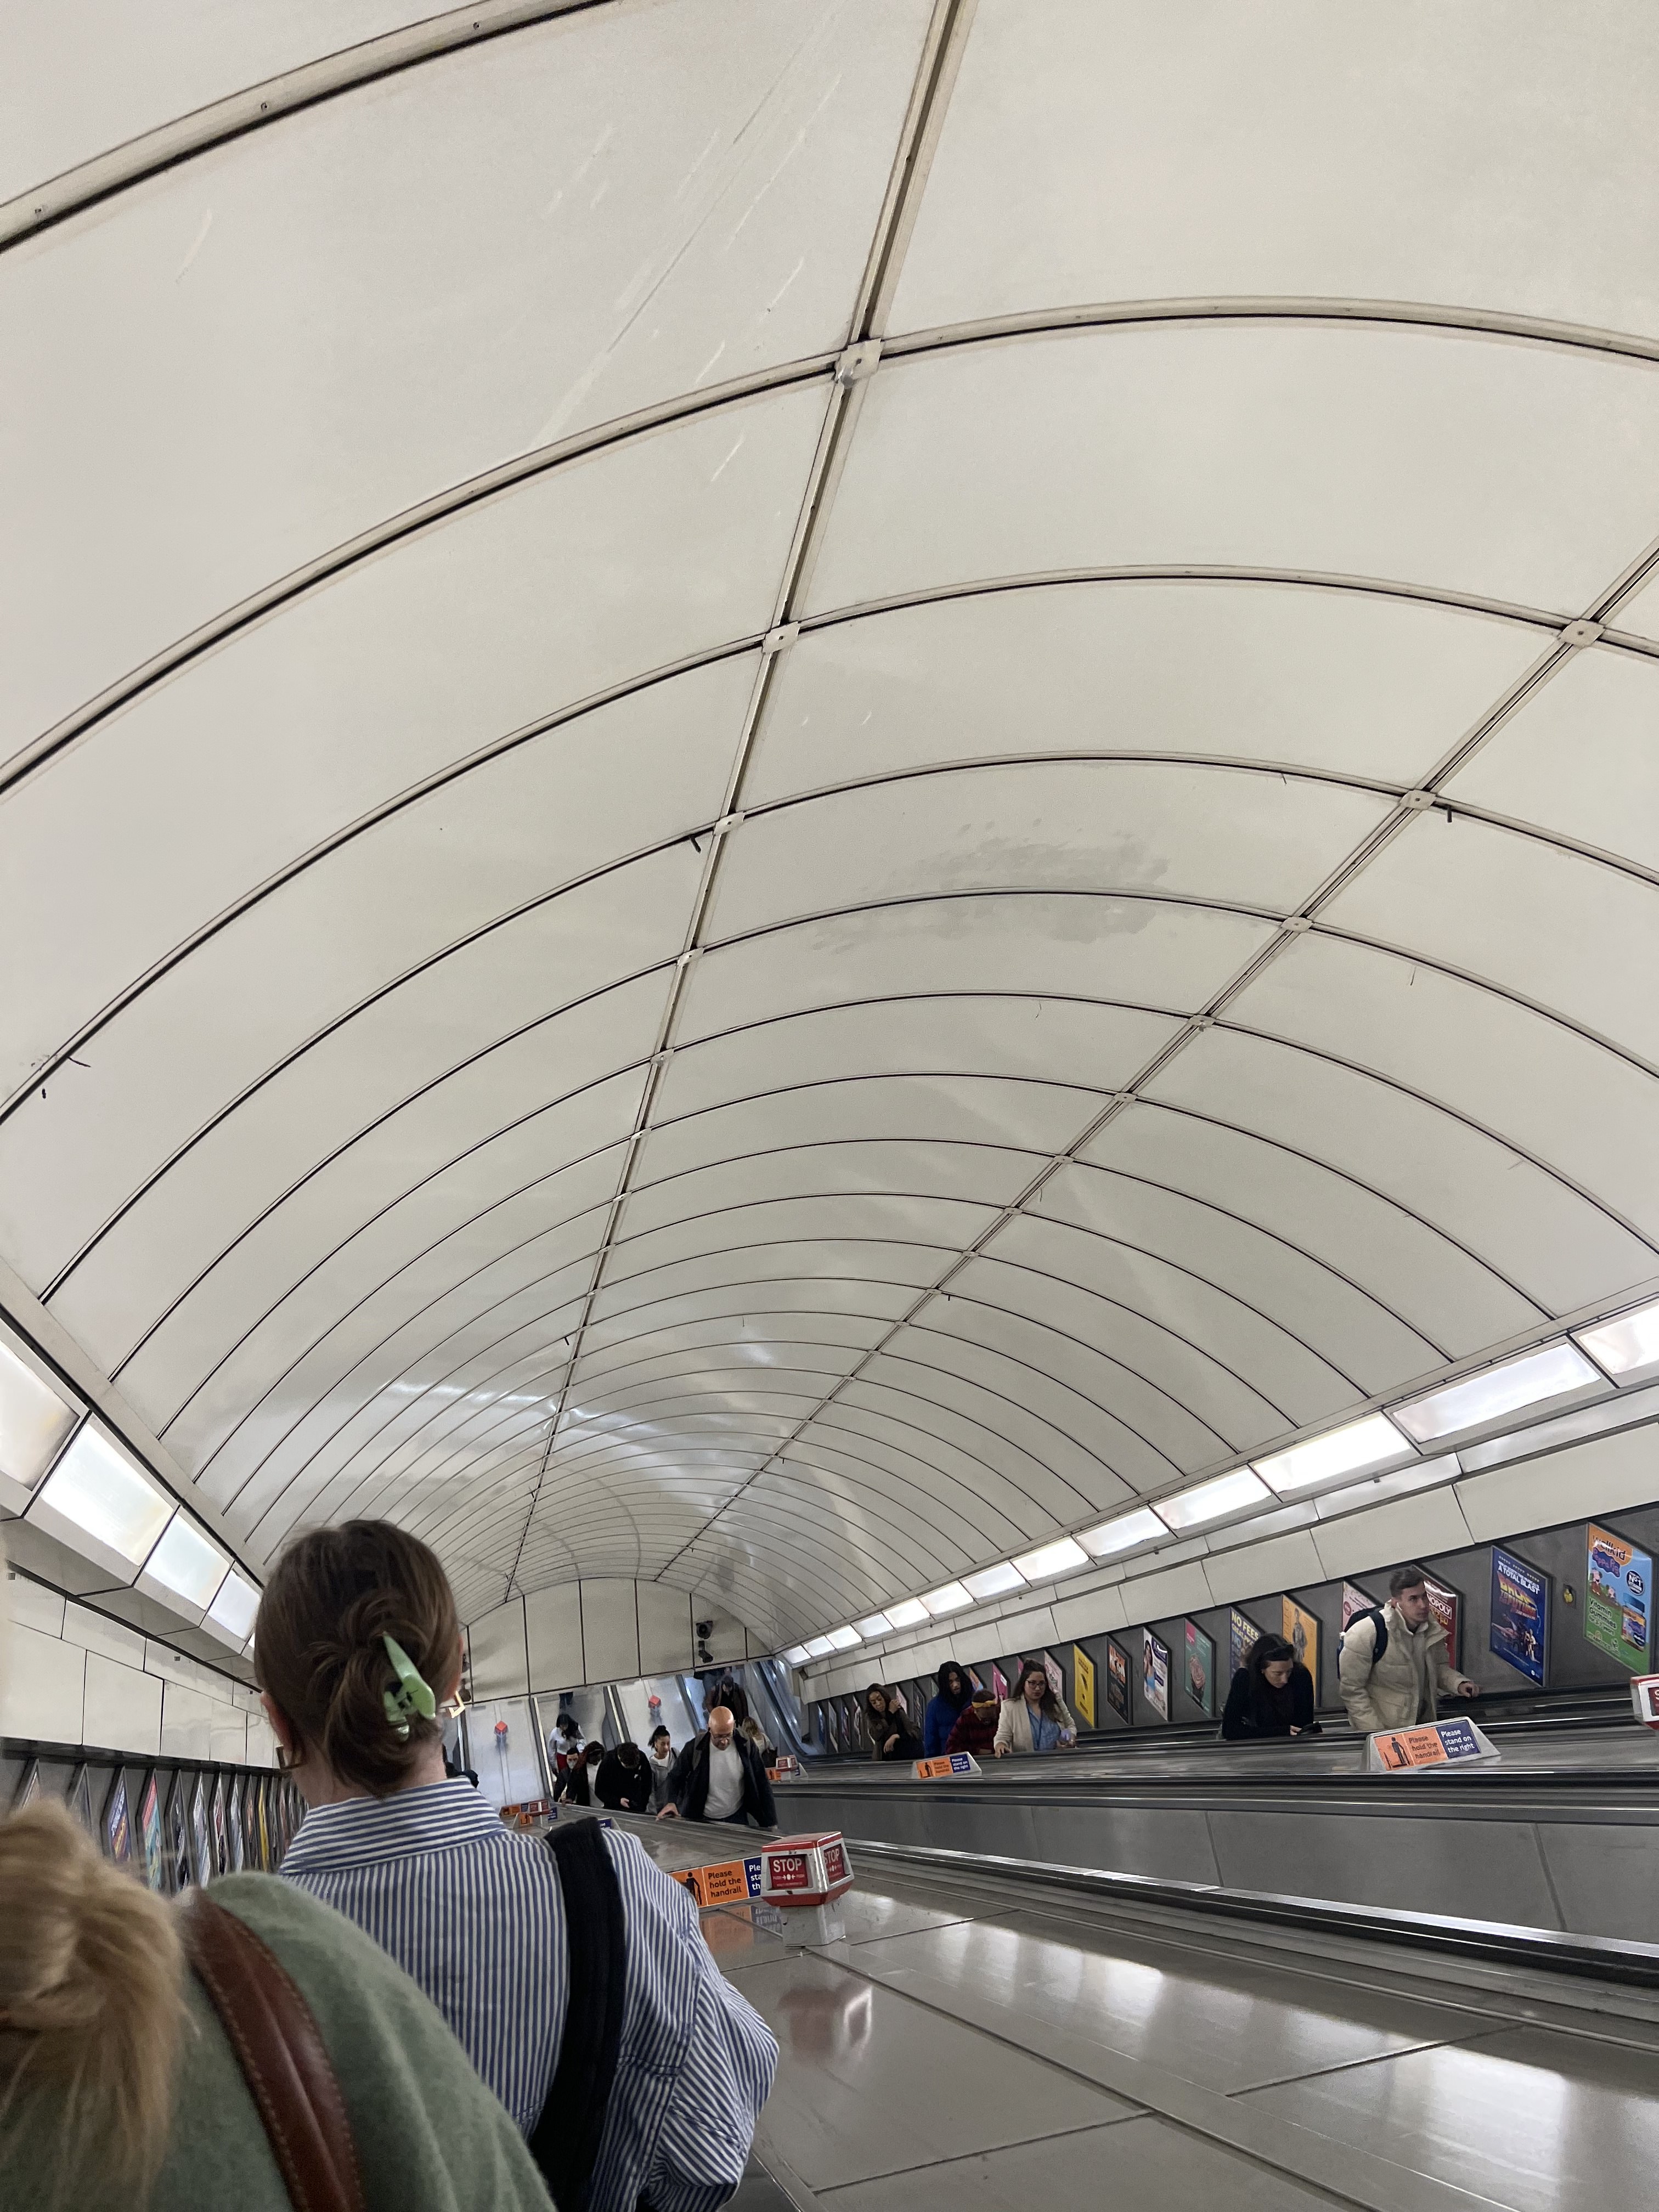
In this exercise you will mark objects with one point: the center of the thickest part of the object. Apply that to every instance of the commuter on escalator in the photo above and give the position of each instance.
(976, 1731)
(1034, 1718)
(519, 1940)
(623, 1781)
(717, 1778)
(757, 1739)
(122, 2084)
(944, 1710)
(888, 1725)
(564, 1745)
(1271, 1694)
(579, 1775)
(661, 1763)
(1394, 1664)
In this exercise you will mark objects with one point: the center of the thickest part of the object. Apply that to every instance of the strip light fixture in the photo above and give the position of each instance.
(1553, 1374)
(1627, 1347)
(1364, 1447)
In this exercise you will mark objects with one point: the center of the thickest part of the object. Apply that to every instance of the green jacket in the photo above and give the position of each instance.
(430, 2137)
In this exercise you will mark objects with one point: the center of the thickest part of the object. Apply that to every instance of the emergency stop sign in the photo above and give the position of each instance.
(804, 1869)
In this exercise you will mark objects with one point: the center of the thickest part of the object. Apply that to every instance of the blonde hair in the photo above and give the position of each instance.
(91, 2011)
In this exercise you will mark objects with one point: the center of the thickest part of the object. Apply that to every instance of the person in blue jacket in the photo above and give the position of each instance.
(944, 1712)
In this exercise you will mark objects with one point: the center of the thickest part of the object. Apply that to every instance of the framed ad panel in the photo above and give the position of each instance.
(1155, 1672)
(1117, 1679)
(1520, 1614)
(1301, 1631)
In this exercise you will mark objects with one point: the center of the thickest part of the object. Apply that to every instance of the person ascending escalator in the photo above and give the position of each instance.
(623, 1781)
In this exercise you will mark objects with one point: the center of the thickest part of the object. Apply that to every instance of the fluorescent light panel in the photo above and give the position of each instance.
(187, 1563)
(909, 1613)
(1536, 1378)
(1140, 1526)
(844, 1640)
(818, 1647)
(1214, 1501)
(1063, 1556)
(796, 1656)
(1357, 1448)
(950, 1597)
(233, 1611)
(103, 1503)
(993, 1582)
(1627, 1347)
(874, 1624)
(34, 1421)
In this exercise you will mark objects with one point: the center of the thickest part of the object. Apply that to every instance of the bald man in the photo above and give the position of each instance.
(718, 1777)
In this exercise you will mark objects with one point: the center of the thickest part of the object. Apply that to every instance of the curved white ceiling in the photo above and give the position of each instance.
(795, 786)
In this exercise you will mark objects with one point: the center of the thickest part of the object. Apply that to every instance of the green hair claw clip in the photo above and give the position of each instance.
(412, 1694)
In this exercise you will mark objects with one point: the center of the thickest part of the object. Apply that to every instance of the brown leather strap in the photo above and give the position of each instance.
(282, 2056)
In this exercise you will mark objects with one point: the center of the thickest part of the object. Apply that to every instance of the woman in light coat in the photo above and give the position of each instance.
(1034, 1719)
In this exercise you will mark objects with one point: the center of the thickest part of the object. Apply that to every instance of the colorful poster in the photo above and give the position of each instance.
(1083, 1680)
(1520, 1613)
(178, 1819)
(1356, 1601)
(118, 1833)
(1155, 1673)
(1201, 1669)
(999, 1680)
(150, 1826)
(1241, 1633)
(1056, 1674)
(1301, 1631)
(202, 1853)
(1619, 1603)
(79, 1799)
(1117, 1679)
(1447, 1607)
(221, 1831)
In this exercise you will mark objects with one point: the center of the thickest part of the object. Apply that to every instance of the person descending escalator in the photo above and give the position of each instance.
(1271, 1694)
(1034, 1718)
(888, 1725)
(579, 1775)
(718, 1777)
(976, 1731)
(945, 1710)
(622, 1782)
(571, 1969)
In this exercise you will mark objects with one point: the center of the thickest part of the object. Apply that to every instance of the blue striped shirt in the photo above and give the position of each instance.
(475, 1915)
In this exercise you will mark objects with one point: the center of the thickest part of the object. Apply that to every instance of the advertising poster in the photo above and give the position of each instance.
(999, 1680)
(1520, 1613)
(1447, 1609)
(1241, 1633)
(118, 1833)
(149, 1828)
(1619, 1603)
(221, 1828)
(1301, 1631)
(79, 1799)
(1155, 1673)
(177, 1844)
(1201, 1669)
(1356, 1601)
(202, 1849)
(1117, 1681)
(1082, 1679)
(1056, 1674)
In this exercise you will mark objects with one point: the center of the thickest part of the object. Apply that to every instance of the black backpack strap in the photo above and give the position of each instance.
(565, 2141)
(1374, 1616)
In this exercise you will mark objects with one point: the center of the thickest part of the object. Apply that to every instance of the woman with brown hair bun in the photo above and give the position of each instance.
(119, 2082)
(357, 1645)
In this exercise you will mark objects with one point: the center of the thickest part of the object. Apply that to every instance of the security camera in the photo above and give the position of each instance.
(705, 1628)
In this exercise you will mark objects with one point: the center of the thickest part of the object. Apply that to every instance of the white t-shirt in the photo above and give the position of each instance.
(724, 1783)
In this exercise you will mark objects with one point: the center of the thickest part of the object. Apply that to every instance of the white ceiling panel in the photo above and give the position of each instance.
(493, 251)
(1003, 1112)
(377, 1221)
(342, 1109)
(1555, 1246)
(824, 1339)
(1442, 1290)
(1054, 1041)
(1046, 1287)
(863, 1304)
(1299, 676)
(1524, 473)
(1577, 758)
(1576, 936)
(824, 1171)
(1035, 943)
(1488, 153)
(1317, 1303)
(165, 61)
(1572, 1105)
(1225, 835)
(821, 1259)
(939, 1223)
(640, 772)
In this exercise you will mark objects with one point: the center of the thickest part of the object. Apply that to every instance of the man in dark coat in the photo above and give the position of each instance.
(718, 1777)
(623, 1784)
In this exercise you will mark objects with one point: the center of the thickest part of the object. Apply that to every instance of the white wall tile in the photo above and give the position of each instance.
(122, 1707)
(1177, 1590)
(610, 1631)
(553, 1623)
(1285, 1563)
(500, 1664)
(261, 1743)
(46, 1684)
(1095, 1614)
(111, 1637)
(1431, 1521)
(228, 1736)
(665, 1628)
(34, 1605)
(186, 1722)
(1598, 1476)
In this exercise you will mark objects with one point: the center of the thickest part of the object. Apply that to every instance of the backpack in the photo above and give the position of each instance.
(565, 2140)
(1375, 1615)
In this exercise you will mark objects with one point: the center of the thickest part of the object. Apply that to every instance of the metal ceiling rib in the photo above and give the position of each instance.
(829, 1274)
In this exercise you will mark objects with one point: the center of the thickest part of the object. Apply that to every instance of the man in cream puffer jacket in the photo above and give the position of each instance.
(1403, 1688)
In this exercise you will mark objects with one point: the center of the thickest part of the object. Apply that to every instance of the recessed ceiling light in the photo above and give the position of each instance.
(950, 1597)
(1213, 1501)
(1359, 1448)
(1140, 1526)
(1543, 1378)
(992, 1582)
(1062, 1556)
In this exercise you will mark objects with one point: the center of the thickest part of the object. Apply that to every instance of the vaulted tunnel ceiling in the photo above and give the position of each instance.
(793, 789)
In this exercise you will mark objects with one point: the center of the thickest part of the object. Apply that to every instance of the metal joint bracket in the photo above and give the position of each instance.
(1581, 633)
(858, 361)
(1203, 1021)
(1418, 801)
(1295, 925)
(776, 640)
(727, 824)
